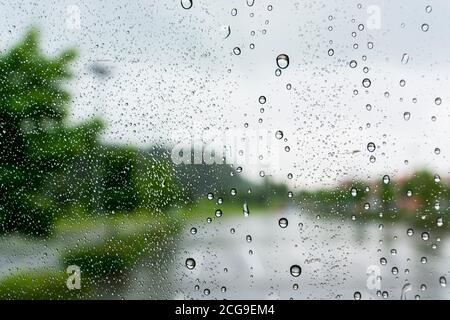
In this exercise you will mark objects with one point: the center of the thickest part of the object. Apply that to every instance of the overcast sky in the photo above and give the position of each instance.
(173, 74)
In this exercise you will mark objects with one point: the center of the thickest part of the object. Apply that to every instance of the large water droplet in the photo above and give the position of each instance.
(283, 223)
(283, 61)
(366, 83)
(279, 134)
(357, 295)
(295, 270)
(190, 263)
(186, 4)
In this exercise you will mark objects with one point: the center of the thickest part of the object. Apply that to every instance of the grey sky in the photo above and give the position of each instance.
(175, 74)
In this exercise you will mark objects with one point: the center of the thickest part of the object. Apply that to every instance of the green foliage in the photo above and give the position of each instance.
(47, 166)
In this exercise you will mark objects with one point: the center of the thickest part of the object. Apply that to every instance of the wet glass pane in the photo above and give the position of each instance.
(244, 149)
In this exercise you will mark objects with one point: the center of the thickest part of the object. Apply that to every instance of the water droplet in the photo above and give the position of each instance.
(402, 83)
(283, 223)
(283, 61)
(248, 238)
(218, 213)
(234, 12)
(371, 147)
(279, 135)
(250, 2)
(443, 281)
(366, 83)
(425, 27)
(330, 52)
(428, 9)
(354, 192)
(295, 270)
(262, 99)
(353, 64)
(406, 115)
(206, 292)
(193, 230)
(226, 31)
(439, 222)
(437, 178)
(223, 289)
(410, 232)
(210, 196)
(386, 179)
(405, 58)
(423, 260)
(232, 230)
(186, 4)
(237, 51)
(357, 295)
(190, 263)
(366, 206)
(233, 191)
(394, 270)
(245, 209)
(409, 193)
(425, 236)
(383, 261)
(437, 150)
(438, 101)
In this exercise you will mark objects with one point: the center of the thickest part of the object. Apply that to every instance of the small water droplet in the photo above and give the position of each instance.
(371, 147)
(245, 209)
(425, 236)
(237, 51)
(443, 281)
(425, 27)
(386, 179)
(357, 295)
(405, 58)
(193, 230)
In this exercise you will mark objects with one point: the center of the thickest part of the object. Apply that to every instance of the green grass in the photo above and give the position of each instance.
(40, 284)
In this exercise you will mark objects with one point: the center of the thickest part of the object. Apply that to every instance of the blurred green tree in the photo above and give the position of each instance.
(47, 166)
(35, 141)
